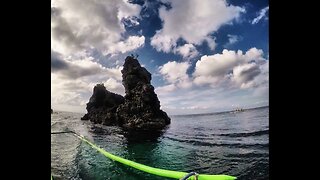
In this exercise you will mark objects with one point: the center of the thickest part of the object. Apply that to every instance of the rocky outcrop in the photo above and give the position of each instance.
(141, 108)
(102, 106)
(138, 110)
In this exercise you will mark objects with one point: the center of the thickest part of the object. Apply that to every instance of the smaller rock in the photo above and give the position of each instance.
(102, 106)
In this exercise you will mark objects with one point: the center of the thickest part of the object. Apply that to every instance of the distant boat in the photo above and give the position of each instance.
(237, 110)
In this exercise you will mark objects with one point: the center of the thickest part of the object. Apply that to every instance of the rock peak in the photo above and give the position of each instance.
(133, 74)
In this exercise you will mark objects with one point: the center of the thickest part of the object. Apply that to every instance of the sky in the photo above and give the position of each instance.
(204, 55)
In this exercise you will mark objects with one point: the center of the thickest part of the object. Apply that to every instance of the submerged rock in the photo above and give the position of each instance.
(139, 110)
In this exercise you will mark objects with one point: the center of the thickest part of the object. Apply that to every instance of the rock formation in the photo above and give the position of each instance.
(102, 106)
(138, 110)
(141, 108)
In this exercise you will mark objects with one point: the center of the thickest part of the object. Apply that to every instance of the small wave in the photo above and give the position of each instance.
(255, 133)
(230, 145)
(248, 155)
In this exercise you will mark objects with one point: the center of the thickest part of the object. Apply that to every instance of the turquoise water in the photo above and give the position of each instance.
(223, 143)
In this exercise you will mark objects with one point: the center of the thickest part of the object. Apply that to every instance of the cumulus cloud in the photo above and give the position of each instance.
(187, 51)
(163, 42)
(221, 67)
(176, 73)
(261, 14)
(89, 72)
(211, 68)
(77, 24)
(76, 68)
(228, 70)
(193, 21)
(244, 74)
(166, 89)
(81, 31)
(132, 43)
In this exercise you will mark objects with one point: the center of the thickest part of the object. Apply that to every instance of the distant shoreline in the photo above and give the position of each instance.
(219, 112)
(179, 115)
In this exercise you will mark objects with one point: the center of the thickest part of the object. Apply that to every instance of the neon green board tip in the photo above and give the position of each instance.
(156, 171)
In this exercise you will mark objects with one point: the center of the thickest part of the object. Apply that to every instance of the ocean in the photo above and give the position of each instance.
(229, 143)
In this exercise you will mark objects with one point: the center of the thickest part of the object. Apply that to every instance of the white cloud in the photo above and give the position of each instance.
(77, 25)
(79, 68)
(74, 69)
(217, 82)
(221, 67)
(163, 42)
(132, 43)
(232, 39)
(176, 73)
(218, 65)
(202, 80)
(193, 21)
(211, 42)
(165, 89)
(254, 54)
(244, 74)
(262, 14)
(187, 51)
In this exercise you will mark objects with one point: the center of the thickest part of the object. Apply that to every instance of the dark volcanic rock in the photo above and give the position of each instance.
(138, 111)
(141, 108)
(102, 106)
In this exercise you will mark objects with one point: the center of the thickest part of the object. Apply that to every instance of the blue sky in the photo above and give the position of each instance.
(204, 56)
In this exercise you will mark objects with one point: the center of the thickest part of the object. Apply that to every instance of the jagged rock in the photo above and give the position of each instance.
(141, 108)
(138, 110)
(102, 106)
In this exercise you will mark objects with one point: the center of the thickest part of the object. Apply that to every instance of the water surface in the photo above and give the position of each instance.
(222, 143)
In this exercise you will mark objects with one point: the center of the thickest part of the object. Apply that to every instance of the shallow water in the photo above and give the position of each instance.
(223, 143)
